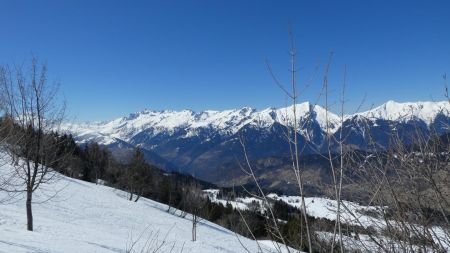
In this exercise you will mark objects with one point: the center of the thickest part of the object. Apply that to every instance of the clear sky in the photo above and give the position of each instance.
(117, 57)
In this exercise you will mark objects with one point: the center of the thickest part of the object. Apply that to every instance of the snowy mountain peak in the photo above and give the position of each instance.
(228, 122)
(168, 121)
(395, 111)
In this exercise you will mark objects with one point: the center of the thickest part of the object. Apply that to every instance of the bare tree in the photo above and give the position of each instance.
(137, 176)
(409, 181)
(30, 104)
(142, 174)
(151, 242)
(194, 201)
(446, 87)
(96, 161)
(293, 127)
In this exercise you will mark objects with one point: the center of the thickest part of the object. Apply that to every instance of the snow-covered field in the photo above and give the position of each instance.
(84, 217)
(352, 214)
(318, 207)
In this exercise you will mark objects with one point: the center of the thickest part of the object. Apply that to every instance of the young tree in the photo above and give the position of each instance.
(142, 177)
(194, 201)
(138, 176)
(293, 127)
(96, 161)
(30, 103)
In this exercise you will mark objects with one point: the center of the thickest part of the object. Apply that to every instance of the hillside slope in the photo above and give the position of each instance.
(84, 217)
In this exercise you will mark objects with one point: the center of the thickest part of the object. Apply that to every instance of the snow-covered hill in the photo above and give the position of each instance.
(84, 217)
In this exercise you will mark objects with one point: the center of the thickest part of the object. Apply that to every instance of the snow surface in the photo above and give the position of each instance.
(352, 213)
(84, 217)
(324, 208)
(391, 110)
(318, 207)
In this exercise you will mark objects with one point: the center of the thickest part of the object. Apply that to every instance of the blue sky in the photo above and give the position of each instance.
(117, 57)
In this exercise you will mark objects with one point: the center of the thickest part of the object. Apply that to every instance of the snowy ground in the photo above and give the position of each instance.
(84, 217)
(352, 214)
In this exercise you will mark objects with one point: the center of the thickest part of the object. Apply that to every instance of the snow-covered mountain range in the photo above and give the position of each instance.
(200, 141)
(225, 122)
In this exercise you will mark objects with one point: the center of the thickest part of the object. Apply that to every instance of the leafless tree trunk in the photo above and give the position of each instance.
(138, 176)
(32, 107)
(292, 130)
(446, 93)
(293, 141)
(194, 201)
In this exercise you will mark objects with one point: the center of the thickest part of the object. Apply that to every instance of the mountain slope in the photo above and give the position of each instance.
(405, 121)
(84, 217)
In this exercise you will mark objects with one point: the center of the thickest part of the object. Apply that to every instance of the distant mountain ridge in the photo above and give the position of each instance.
(225, 122)
(199, 142)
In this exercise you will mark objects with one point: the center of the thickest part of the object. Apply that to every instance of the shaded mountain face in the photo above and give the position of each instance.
(201, 143)
(275, 174)
(124, 151)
